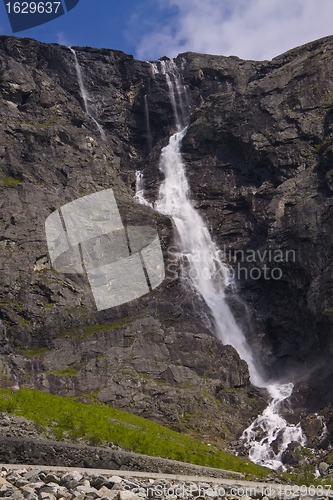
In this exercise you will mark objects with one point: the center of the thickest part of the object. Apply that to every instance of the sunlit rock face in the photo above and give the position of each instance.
(258, 154)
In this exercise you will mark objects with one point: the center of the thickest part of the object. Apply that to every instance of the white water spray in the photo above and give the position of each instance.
(204, 268)
(177, 91)
(84, 95)
(140, 189)
(210, 277)
(270, 428)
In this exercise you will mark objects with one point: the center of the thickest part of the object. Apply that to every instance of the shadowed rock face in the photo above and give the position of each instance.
(258, 152)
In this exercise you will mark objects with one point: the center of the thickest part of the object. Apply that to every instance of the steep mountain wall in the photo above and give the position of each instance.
(258, 152)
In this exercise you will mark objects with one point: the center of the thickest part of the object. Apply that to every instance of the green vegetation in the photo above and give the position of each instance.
(23, 321)
(320, 145)
(97, 423)
(36, 352)
(11, 181)
(86, 331)
(47, 121)
(329, 458)
(66, 372)
(305, 475)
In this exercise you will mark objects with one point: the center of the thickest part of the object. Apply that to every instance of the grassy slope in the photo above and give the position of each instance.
(97, 423)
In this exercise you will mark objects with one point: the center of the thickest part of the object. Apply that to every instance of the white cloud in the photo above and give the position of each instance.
(250, 29)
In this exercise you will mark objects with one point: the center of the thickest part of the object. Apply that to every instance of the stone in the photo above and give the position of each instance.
(34, 485)
(28, 492)
(106, 493)
(292, 454)
(323, 468)
(46, 496)
(31, 475)
(7, 490)
(51, 488)
(71, 480)
(51, 478)
(115, 480)
(64, 493)
(127, 495)
(97, 481)
(87, 491)
(17, 495)
(20, 482)
(31, 496)
(210, 493)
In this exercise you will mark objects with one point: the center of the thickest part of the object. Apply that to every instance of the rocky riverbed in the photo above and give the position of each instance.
(51, 484)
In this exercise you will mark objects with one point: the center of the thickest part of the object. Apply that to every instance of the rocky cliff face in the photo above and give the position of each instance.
(258, 152)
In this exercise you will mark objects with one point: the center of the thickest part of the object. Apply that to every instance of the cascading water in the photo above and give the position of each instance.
(203, 267)
(270, 428)
(84, 95)
(140, 189)
(177, 91)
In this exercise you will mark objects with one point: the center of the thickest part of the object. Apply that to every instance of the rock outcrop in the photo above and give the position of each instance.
(44, 452)
(258, 152)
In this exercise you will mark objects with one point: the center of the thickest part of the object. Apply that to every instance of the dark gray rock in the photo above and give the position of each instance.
(71, 480)
(69, 455)
(323, 468)
(292, 455)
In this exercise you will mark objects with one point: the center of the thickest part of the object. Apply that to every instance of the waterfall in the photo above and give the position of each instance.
(145, 100)
(270, 428)
(204, 268)
(84, 95)
(140, 189)
(177, 91)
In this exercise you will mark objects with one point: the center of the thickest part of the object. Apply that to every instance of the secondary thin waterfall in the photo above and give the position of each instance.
(84, 95)
(204, 268)
(149, 139)
(140, 189)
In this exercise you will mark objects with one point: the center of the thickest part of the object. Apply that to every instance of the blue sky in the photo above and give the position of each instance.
(148, 29)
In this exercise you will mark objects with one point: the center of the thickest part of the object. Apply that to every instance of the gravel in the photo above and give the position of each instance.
(32, 483)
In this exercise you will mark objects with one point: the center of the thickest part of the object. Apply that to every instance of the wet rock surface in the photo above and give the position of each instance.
(258, 152)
